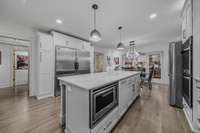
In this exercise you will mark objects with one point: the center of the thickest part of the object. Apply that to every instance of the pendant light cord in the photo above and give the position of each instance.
(120, 35)
(94, 18)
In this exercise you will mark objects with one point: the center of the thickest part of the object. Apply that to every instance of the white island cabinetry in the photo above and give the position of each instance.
(128, 91)
(78, 101)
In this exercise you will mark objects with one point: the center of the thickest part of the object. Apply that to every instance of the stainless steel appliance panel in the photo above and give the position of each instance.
(187, 52)
(175, 74)
(102, 101)
(84, 61)
(65, 60)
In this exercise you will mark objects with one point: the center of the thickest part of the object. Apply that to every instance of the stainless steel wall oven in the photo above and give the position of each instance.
(187, 57)
(102, 101)
(187, 54)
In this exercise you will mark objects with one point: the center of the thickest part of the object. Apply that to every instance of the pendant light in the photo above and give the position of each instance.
(132, 53)
(95, 34)
(120, 45)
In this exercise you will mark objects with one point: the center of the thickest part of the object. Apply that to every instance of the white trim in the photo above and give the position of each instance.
(44, 96)
(14, 41)
(188, 120)
(188, 114)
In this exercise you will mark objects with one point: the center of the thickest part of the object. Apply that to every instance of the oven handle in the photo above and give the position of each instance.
(104, 95)
(102, 90)
(187, 77)
(186, 49)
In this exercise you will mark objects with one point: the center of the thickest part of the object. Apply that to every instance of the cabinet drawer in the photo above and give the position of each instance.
(108, 123)
(107, 127)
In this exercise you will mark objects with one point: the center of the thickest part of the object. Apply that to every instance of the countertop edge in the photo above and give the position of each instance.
(95, 87)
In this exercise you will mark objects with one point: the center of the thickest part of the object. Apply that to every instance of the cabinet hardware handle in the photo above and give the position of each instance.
(40, 45)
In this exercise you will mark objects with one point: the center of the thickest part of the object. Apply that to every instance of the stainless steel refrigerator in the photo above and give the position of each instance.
(175, 74)
(70, 62)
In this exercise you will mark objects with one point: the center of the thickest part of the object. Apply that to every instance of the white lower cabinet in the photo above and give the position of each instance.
(106, 125)
(128, 92)
(123, 96)
(45, 85)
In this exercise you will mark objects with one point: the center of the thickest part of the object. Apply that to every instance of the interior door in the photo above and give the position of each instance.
(99, 62)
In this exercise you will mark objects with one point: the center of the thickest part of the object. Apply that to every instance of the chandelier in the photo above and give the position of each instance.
(132, 53)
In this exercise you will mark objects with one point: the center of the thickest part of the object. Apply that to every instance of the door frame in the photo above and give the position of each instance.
(14, 41)
(13, 66)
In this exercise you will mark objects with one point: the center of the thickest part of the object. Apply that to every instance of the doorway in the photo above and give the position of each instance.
(14, 70)
(99, 62)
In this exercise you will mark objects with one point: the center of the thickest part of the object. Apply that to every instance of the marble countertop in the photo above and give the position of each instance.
(95, 80)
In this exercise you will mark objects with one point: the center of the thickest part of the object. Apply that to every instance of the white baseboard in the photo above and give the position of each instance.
(44, 96)
(188, 114)
(189, 121)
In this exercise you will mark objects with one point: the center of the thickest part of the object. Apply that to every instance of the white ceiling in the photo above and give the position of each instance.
(77, 17)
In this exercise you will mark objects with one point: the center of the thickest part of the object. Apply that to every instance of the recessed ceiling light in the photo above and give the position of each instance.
(153, 16)
(58, 21)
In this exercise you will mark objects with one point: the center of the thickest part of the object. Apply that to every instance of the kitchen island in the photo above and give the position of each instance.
(94, 103)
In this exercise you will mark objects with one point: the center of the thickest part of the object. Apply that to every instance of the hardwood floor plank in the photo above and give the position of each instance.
(151, 113)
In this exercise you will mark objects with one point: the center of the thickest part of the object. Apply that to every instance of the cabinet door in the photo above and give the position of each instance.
(45, 62)
(85, 46)
(45, 84)
(131, 91)
(123, 96)
(187, 21)
(137, 87)
(45, 65)
(45, 42)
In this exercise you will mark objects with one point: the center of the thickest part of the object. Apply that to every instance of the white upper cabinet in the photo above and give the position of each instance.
(45, 42)
(187, 20)
(71, 42)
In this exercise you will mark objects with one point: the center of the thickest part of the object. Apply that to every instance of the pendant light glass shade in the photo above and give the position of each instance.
(132, 53)
(120, 45)
(95, 35)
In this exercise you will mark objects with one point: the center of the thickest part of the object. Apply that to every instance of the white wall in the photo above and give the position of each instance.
(5, 66)
(164, 61)
(109, 52)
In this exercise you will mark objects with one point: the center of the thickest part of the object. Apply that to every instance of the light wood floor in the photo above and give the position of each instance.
(149, 114)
